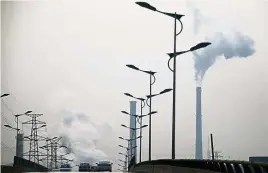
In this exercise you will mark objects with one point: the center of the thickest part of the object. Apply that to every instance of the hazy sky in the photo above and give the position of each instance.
(69, 57)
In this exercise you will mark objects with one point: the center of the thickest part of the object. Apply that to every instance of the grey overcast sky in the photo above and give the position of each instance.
(67, 58)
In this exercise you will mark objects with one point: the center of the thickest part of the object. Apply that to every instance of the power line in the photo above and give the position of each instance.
(5, 118)
(5, 146)
(5, 105)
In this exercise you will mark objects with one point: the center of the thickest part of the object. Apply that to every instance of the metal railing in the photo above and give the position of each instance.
(210, 165)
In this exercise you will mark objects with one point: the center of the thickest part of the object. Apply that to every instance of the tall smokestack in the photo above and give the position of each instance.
(198, 138)
(132, 133)
(20, 141)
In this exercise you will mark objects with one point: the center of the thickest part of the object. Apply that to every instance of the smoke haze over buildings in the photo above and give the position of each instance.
(80, 135)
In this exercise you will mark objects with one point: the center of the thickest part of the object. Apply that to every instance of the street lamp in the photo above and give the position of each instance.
(160, 93)
(125, 112)
(123, 147)
(122, 154)
(8, 126)
(126, 147)
(17, 118)
(4, 95)
(201, 45)
(121, 165)
(152, 81)
(129, 139)
(134, 128)
(122, 160)
(140, 118)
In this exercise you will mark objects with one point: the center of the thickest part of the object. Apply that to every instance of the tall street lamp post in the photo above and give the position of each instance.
(152, 81)
(149, 97)
(175, 53)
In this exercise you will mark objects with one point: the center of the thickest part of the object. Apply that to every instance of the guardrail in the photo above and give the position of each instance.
(180, 165)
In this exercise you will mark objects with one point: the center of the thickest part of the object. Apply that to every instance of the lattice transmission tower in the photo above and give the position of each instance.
(33, 153)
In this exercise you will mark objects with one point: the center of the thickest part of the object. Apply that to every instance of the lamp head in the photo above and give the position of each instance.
(144, 126)
(123, 125)
(124, 112)
(150, 96)
(6, 125)
(28, 112)
(199, 46)
(4, 95)
(127, 94)
(165, 91)
(153, 112)
(132, 66)
(146, 5)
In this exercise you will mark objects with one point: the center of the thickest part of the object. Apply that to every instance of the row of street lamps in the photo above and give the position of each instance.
(172, 56)
(177, 17)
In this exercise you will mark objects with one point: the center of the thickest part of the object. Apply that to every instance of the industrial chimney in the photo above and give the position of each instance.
(132, 132)
(198, 138)
(20, 142)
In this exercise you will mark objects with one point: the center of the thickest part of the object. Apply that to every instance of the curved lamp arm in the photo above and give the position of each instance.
(139, 120)
(153, 80)
(143, 104)
(174, 57)
(169, 64)
(181, 28)
(147, 102)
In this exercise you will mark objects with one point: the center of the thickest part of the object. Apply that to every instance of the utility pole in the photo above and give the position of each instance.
(34, 137)
(212, 146)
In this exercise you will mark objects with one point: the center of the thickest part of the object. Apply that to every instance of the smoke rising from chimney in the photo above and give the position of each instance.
(229, 45)
(235, 45)
(80, 135)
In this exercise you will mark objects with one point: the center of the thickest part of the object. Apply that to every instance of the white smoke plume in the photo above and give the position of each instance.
(80, 135)
(229, 46)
